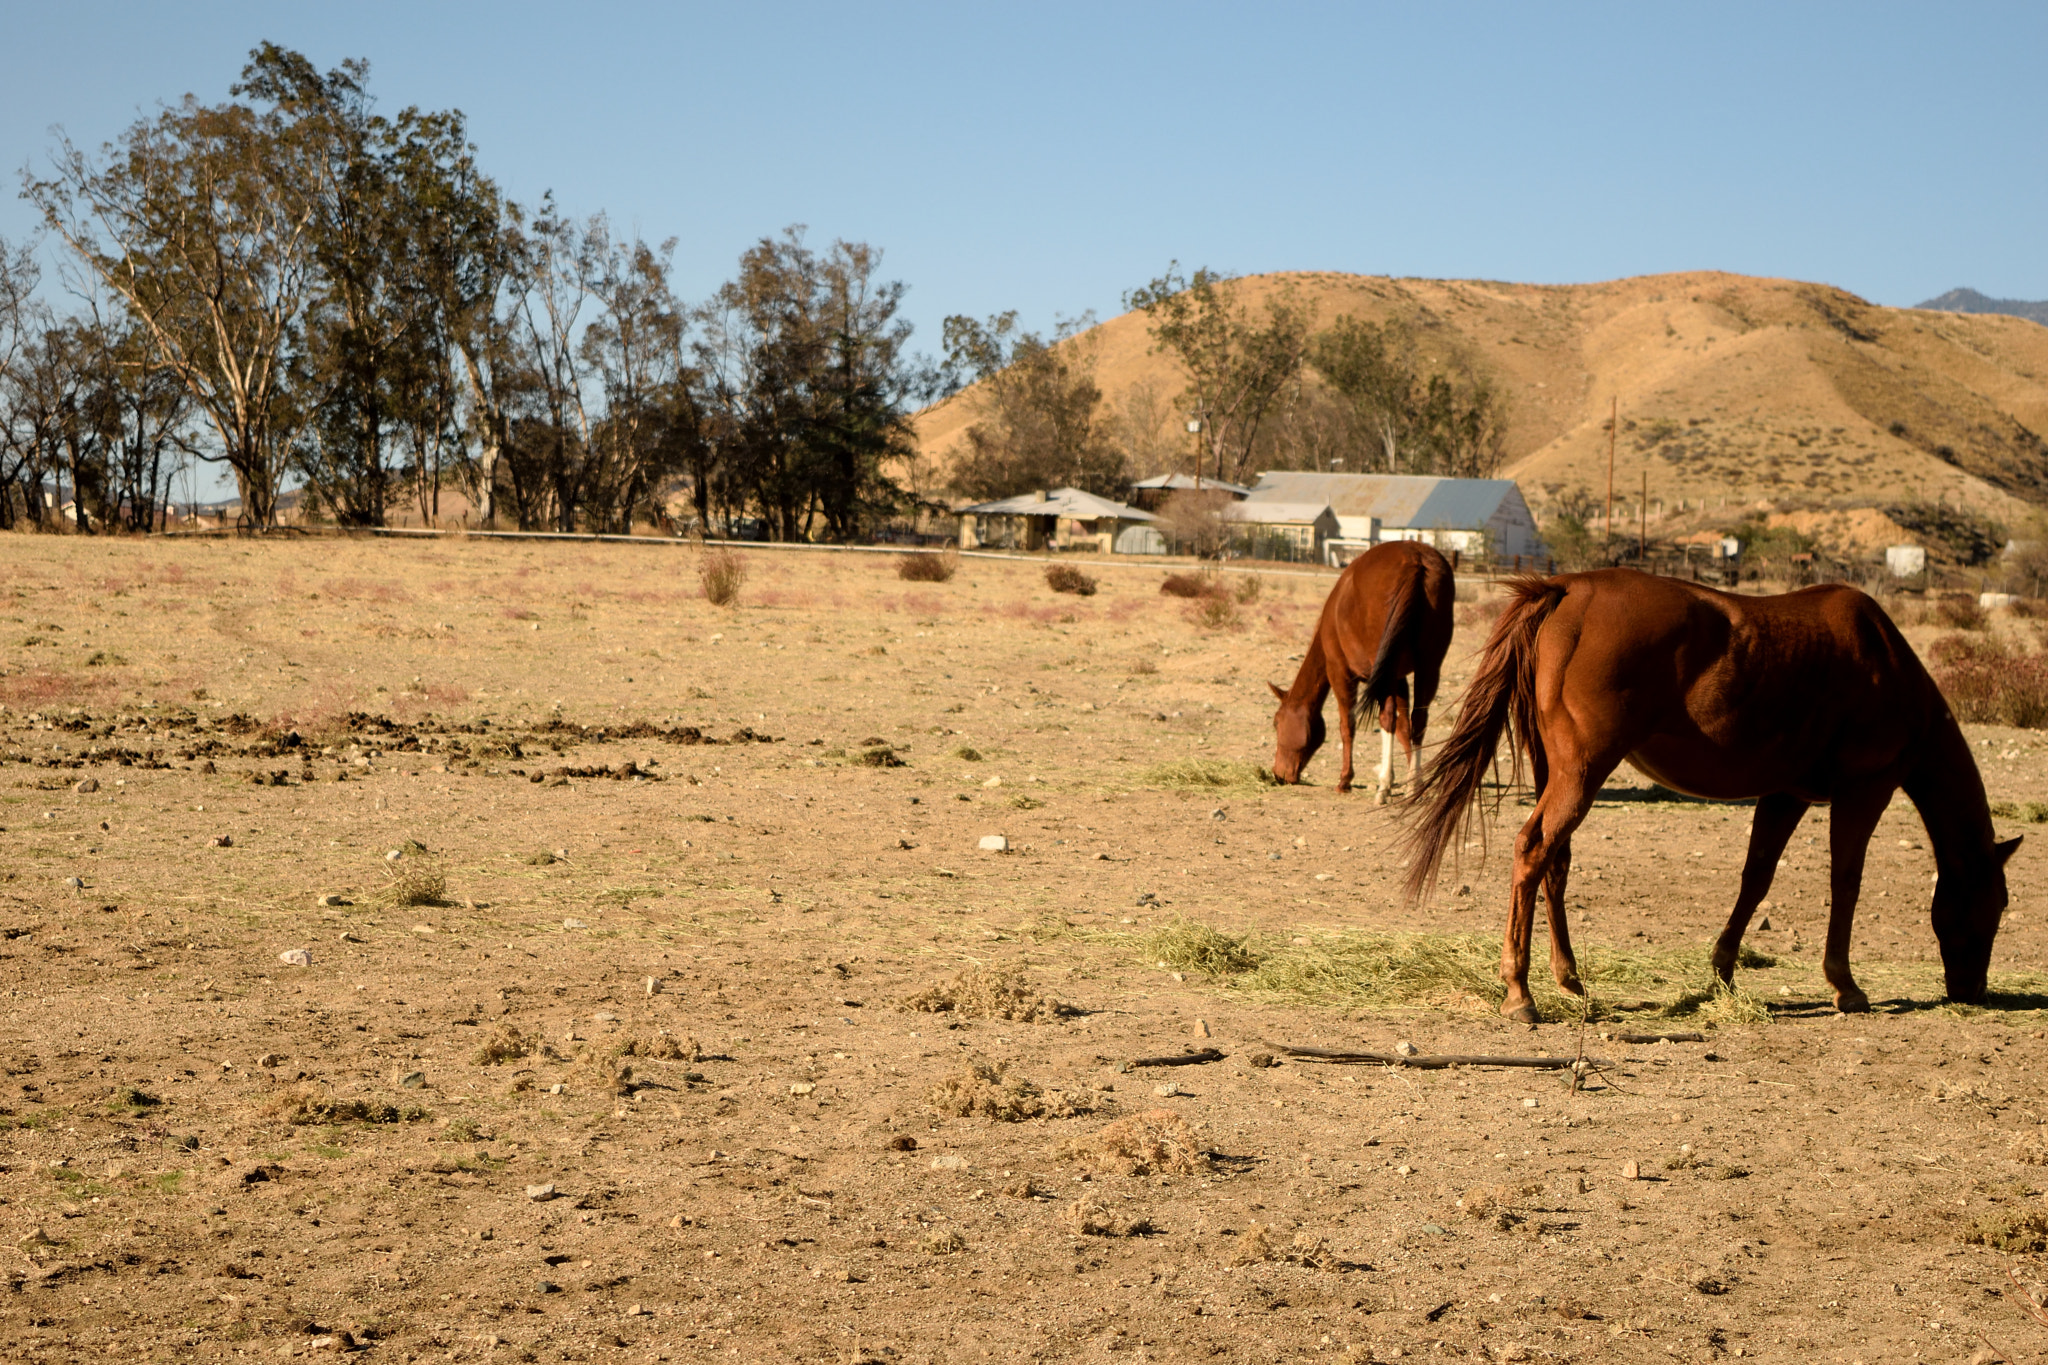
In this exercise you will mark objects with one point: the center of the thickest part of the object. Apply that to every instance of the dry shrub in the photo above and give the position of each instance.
(2017, 1232)
(2031, 1149)
(1213, 613)
(988, 993)
(1067, 578)
(1259, 1243)
(1090, 1217)
(722, 573)
(942, 1243)
(1987, 680)
(506, 1044)
(1959, 611)
(1191, 585)
(928, 568)
(1248, 589)
(986, 1090)
(307, 1105)
(1157, 1141)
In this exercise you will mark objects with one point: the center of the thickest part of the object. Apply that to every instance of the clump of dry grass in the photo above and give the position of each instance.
(505, 1044)
(1248, 589)
(1483, 613)
(416, 883)
(2031, 1149)
(2017, 1232)
(942, 1243)
(1067, 578)
(1498, 1206)
(928, 568)
(1260, 1242)
(1090, 1217)
(1156, 1142)
(988, 993)
(304, 1105)
(1988, 680)
(663, 1047)
(721, 573)
(1207, 774)
(1959, 611)
(987, 1090)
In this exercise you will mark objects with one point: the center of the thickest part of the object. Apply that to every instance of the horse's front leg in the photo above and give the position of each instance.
(1390, 721)
(1346, 689)
(1854, 819)
(1770, 829)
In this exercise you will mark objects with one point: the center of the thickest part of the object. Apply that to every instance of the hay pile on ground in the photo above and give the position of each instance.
(505, 1044)
(1156, 1142)
(303, 1106)
(987, 1090)
(988, 993)
(1260, 1242)
(1207, 774)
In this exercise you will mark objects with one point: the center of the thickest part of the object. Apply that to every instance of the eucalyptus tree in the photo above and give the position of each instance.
(1037, 409)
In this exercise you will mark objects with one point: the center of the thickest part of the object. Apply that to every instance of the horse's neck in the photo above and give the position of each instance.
(1949, 792)
(1312, 681)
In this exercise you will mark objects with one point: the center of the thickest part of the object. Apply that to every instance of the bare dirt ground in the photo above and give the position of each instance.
(468, 1131)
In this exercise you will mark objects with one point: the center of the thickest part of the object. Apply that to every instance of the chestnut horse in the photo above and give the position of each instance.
(1388, 616)
(1812, 697)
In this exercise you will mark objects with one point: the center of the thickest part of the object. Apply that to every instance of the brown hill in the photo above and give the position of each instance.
(1734, 390)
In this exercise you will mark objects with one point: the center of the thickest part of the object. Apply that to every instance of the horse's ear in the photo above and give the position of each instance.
(2006, 849)
(1278, 693)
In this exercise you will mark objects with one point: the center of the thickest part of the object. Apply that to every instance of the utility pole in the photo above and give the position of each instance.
(1613, 429)
(1643, 518)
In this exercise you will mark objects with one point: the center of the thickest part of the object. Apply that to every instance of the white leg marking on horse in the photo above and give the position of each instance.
(1386, 764)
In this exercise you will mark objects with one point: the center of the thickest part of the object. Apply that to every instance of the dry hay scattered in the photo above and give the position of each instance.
(1259, 1243)
(663, 1047)
(988, 993)
(1207, 774)
(2031, 1149)
(1156, 1142)
(307, 1105)
(1090, 1217)
(986, 1090)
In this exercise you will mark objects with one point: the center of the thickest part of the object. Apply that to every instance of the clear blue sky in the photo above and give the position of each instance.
(1049, 157)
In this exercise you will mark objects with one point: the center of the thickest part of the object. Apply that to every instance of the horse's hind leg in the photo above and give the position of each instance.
(1565, 799)
(1770, 828)
(1564, 964)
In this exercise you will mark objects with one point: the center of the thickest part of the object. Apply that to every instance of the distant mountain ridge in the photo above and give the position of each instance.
(1970, 301)
(1734, 391)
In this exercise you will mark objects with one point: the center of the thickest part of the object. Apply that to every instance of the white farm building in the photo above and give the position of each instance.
(1472, 516)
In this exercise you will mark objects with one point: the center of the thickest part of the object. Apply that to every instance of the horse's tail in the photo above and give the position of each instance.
(1404, 622)
(1502, 694)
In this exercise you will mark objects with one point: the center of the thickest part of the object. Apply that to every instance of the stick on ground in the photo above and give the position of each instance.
(1438, 1063)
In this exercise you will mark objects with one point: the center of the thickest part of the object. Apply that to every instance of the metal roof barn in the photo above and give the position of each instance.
(1452, 514)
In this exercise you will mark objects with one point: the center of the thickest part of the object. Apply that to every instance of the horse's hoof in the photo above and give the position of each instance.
(1572, 986)
(1852, 1002)
(1522, 1014)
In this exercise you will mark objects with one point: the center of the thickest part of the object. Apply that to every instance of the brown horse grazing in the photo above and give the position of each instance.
(1388, 616)
(1813, 697)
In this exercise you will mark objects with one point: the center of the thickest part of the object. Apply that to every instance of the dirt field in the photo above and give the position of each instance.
(614, 901)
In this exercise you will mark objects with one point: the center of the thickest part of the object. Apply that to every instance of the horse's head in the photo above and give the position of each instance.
(1297, 734)
(1968, 902)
